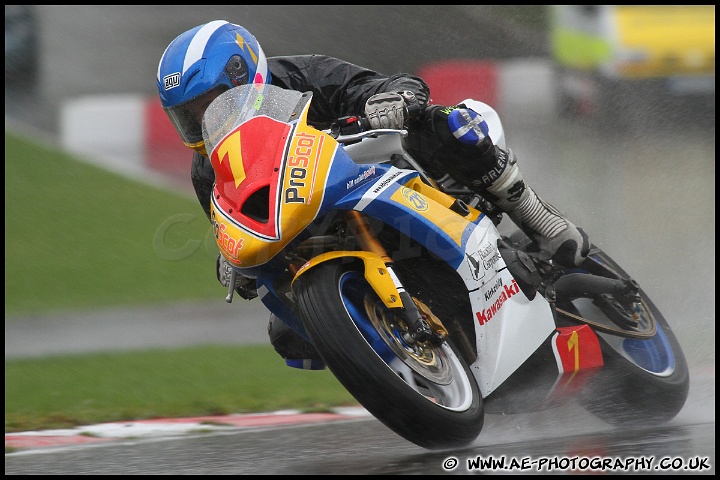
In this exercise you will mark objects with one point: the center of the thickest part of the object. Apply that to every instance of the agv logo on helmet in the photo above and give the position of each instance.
(171, 81)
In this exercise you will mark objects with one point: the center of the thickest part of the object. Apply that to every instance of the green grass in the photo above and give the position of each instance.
(69, 391)
(78, 237)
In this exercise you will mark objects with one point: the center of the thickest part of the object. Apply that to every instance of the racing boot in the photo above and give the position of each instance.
(502, 183)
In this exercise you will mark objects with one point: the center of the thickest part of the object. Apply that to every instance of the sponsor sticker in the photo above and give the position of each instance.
(415, 199)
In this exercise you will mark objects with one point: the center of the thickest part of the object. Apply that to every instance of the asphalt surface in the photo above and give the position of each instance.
(176, 324)
(364, 447)
(645, 196)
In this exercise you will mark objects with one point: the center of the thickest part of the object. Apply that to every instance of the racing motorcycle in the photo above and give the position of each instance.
(414, 292)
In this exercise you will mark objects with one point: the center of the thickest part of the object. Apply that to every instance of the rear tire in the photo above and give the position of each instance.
(644, 381)
(426, 394)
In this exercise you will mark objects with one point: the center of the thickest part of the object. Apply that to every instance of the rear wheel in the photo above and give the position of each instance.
(423, 392)
(645, 378)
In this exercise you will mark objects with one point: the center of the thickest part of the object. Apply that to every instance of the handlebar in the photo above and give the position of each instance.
(356, 137)
(354, 125)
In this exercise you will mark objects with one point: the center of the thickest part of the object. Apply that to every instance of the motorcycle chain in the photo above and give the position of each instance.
(614, 330)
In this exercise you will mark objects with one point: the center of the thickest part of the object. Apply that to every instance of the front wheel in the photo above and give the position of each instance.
(424, 393)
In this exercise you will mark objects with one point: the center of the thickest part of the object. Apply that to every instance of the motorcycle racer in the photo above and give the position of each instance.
(208, 59)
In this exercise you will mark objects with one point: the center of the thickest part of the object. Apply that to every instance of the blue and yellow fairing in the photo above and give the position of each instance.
(274, 179)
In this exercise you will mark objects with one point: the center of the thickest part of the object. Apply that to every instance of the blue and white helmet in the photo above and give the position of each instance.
(198, 66)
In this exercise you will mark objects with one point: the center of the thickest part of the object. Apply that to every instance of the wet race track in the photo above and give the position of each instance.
(644, 194)
(368, 448)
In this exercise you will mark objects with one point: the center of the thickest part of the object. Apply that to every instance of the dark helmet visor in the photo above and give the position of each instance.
(187, 117)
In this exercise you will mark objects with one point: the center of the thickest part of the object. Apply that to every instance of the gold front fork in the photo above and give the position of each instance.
(360, 226)
(418, 328)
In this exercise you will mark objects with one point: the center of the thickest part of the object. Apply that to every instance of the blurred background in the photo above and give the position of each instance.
(611, 111)
(70, 51)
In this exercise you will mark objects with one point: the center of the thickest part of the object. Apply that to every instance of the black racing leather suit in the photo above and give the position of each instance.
(339, 89)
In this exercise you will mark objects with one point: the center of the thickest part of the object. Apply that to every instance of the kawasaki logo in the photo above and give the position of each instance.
(508, 291)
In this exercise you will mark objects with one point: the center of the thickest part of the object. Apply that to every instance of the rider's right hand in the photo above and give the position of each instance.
(389, 110)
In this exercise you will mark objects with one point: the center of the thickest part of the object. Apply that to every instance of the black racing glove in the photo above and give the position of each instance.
(389, 110)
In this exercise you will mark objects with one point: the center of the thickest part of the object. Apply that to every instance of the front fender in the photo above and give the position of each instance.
(376, 273)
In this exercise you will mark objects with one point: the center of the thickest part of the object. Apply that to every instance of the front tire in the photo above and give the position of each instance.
(425, 393)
